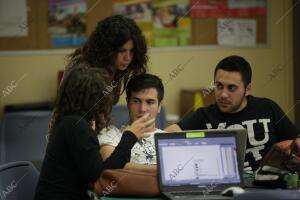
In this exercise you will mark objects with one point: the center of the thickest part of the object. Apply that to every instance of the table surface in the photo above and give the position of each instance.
(115, 198)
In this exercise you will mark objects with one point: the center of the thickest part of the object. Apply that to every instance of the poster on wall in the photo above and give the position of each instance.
(13, 18)
(237, 32)
(140, 11)
(165, 23)
(228, 8)
(247, 8)
(67, 25)
(208, 8)
(171, 23)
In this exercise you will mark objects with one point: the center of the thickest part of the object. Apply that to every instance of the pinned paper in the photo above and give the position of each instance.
(237, 32)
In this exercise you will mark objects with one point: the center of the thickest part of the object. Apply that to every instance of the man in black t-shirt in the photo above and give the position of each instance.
(236, 108)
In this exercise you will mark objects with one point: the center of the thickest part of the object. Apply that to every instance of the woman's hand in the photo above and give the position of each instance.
(142, 126)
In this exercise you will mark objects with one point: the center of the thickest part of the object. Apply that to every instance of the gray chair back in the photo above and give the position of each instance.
(18, 180)
(23, 136)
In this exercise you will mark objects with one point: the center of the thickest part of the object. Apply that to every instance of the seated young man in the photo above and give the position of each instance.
(144, 94)
(236, 108)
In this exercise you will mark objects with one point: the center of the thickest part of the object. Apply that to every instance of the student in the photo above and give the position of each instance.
(72, 159)
(144, 94)
(118, 47)
(236, 108)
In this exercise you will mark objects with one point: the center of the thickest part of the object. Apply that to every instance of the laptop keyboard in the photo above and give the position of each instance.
(197, 195)
(187, 193)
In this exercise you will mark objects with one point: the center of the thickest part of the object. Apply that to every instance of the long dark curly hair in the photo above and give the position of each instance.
(81, 92)
(103, 45)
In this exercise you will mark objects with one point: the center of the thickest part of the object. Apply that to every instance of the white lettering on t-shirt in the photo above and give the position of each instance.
(258, 145)
(251, 135)
(255, 152)
(235, 126)
(220, 126)
(265, 122)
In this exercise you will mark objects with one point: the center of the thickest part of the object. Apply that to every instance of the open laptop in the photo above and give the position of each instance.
(242, 136)
(198, 164)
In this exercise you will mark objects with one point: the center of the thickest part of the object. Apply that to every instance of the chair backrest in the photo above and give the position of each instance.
(1, 140)
(120, 117)
(161, 120)
(23, 136)
(18, 180)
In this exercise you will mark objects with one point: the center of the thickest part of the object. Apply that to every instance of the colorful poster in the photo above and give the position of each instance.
(164, 22)
(247, 8)
(237, 32)
(208, 8)
(67, 22)
(171, 23)
(140, 11)
(228, 8)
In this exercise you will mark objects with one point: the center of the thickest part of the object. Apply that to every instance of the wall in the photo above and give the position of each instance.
(39, 68)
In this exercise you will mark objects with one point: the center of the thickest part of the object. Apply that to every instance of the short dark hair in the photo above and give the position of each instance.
(145, 81)
(236, 64)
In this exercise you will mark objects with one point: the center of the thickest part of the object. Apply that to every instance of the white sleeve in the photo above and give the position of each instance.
(110, 136)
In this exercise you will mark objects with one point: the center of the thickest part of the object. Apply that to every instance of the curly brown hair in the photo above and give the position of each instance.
(103, 46)
(82, 92)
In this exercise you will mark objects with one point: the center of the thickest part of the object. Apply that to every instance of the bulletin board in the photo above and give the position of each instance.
(204, 30)
(37, 24)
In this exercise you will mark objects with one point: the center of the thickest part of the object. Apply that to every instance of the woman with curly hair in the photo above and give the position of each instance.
(72, 159)
(116, 45)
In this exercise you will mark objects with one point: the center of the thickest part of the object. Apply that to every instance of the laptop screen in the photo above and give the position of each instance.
(198, 161)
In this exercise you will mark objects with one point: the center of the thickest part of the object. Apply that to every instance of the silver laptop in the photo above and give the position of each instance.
(198, 164)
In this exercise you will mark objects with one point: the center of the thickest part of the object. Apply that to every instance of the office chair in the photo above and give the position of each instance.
(161, 120)
(23, 136)
(18, 180)
(120, 117)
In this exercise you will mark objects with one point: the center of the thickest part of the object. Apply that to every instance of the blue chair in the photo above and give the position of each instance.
(1, 141)
(23, 136)
(161, 120)
(120, 117)
(18, 180)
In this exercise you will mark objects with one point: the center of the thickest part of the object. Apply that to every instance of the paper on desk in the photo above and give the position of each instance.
(236, 32)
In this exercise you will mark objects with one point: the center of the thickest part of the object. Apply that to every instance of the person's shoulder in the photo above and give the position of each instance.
(110, 130)
(73, 120)
(110, 135)
(71, 117)
(263, 101)
(263, 104)
(211, 108)
(157, 130)
(151, 135)
(72, 125)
